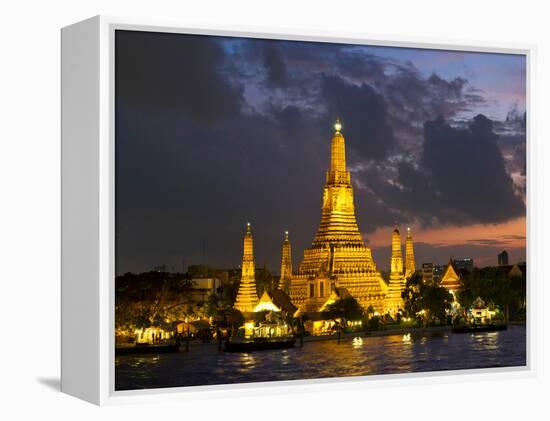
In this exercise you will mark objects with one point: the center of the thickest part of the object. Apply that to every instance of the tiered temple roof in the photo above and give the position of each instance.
(265, 304)
(337, 256)
(247, 297)
(451, 279)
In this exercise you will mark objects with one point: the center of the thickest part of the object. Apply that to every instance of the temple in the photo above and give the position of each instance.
(337, 265)
(394, 300)
(265, 304)
(286, 266)
(410, 266)
(451, 279)
(247, 297)
(337, 259)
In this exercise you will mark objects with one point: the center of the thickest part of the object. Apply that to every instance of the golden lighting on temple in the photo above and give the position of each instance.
(247, 297)
(337, 260)
(337, 264)
(286, 265)
(394, 301)
(265, 304)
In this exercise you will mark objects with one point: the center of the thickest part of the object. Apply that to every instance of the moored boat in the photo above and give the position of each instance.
(258, 344)
(270, 334)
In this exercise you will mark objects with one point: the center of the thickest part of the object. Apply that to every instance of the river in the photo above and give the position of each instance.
(415, 352)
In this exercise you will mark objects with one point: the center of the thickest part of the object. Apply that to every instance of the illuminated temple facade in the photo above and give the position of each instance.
(337, 258)
(338, 264)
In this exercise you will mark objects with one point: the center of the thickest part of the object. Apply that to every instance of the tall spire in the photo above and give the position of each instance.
(286, 265)
(396, 256)
(338, 150)
(394, 300)
(337, 257)
(410, 266)
(247, 297)
(338, 223)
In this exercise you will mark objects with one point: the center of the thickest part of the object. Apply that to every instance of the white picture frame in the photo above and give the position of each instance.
(88, 212)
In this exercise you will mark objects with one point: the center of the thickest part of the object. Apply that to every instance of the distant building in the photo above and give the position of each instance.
(428, 273)
(466, 264)
(160, 268)
(503, 258)
(203, 289)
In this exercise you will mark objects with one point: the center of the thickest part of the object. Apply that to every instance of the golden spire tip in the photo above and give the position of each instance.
(337, 125)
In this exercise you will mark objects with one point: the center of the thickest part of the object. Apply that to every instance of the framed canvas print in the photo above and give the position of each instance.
(248, 208)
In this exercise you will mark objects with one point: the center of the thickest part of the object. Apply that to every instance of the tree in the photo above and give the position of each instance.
(493, 284)
(411, 294)
(151, 298)
(436, 301)
(418, 296)
(345, 308)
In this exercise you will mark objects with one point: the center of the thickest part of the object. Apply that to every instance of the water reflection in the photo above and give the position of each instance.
(247, 362)
(204, 364)
(357, 342)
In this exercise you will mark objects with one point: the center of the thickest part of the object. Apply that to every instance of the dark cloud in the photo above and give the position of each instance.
(460, 179)
(158, 72)
(366, 116)
(275, 66)
(513, 237)
(213, 132)
(484, 241)
(468, 172)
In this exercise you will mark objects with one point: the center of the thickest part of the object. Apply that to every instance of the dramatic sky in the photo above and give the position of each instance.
(214, 132)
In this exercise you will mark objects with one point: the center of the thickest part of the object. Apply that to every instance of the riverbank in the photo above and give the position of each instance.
(376, 333)
(392, 331)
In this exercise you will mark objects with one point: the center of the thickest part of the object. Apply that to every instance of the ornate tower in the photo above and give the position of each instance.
(286, 265)
(247, 297)
(394, 301)
(410, 266)
(396, 256)
(337, 257)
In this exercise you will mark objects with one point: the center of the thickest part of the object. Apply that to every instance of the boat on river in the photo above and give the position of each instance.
(259, 344)
(271, 334)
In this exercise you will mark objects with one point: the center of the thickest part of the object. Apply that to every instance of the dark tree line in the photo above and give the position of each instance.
(505, 290)
(431, 299)
(150, 298)
(497, 287)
